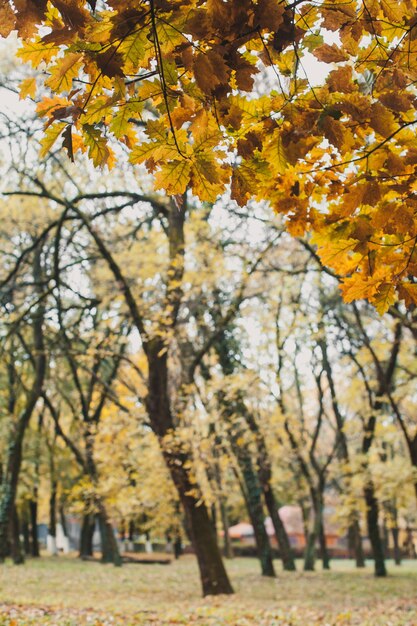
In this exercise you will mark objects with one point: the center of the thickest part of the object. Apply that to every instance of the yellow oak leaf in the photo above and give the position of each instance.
(50, 136)
(384, 297)
(275, 154)
(98, 150)
(173, 176)
(338, 254)
(408, 293)
(359, 287)
(330, 53)
(27, 88)
(63, 72)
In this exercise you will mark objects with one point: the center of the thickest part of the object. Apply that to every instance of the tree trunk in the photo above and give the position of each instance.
(325, 557)
(265, 479)
(397, 549)
(310, 551)
(287, 557)
(413, 455)
(178, 546)
(251, 488)
(63, 520)
(131, 531)
(14, 450)
(385, 537)
(392, 512)
(409, 544)
(372, 511)
(26, 536)
(343, 453)
(213, 574)
(321, 531)
(14, 453)
(52, 519)
(16, 551)
(86, 536)
(33, 507)
(305, 513)
(256, 513)
(179, 461)
(109, 548)
(227, 542)
(315, 530)
(355, 543)
(214, 517)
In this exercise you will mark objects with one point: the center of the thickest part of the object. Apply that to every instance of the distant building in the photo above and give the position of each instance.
(293, 521)
(336, 536)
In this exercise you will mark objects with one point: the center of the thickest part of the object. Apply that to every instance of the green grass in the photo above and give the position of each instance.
(66, 592)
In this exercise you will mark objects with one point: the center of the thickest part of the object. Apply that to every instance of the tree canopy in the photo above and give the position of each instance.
(211, 94)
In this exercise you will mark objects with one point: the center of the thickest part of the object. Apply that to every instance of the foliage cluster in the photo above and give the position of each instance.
(217, 95)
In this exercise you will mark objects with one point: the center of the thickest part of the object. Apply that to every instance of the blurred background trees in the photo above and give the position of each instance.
(177, 370)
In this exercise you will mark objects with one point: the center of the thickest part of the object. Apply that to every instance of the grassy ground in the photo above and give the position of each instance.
(66, 592)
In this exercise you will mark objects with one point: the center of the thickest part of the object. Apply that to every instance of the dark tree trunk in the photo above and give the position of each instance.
(385, 373)
(255, 509)
(319, 508)
(109, 548)
(325, 557)
(343, 453)
(52, 517)
(33, 508)
(310, 551)
(16, 551)
(372, 511)
(26, 536)
(213, 574)
(395, 534)
(385, 537)
(265, 479)
(63, 520)
(397, 549)
(13, 455)
(178, 546)
(179, 461)
(287, 557)
(355, 543)
(227, 542)
(409, 544)
(122, 530)
(413, 454)
(251, 487)
(131, 531)
(214, 517)
(316, 532)
(86, 536)
(372, 508)
(305, 513)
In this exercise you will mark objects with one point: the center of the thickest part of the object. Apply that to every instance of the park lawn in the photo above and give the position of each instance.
(63, 591)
